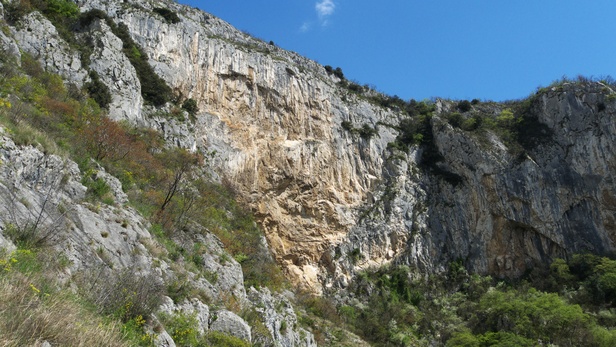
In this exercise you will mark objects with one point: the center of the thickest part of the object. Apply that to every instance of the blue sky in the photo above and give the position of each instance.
(459, 49)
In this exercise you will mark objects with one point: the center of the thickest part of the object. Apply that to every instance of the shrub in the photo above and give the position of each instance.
(190, 106)
(62, 8)
(122, 294)
(367, 132)
(98, 90)
(355, 87)
(455, 119)
(97, 187)
(472, 123)
(506, 119)
(183, 328)
(169, 16)
(215, 338)
(338, 73)
(464, 106)
(153, 88)
(347, 125)
(51, 316)
(15, 10)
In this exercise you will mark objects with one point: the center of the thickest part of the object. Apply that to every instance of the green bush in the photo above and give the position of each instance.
(169, 16)
(183, 329)
(190, 106)
(464, 106)
(86, 18)
(367, 132)
(455, 119)
(14, 11)
(122, 293)
(215, 338)
(62, 8)
(98, 90)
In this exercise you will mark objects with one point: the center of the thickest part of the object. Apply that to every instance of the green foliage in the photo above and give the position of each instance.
(184, 331)
(215, 338)
(153, 88)
(86, 18)
(169, 16)
(98, 189)
(534, 315)
(183, 328)
(98, 90)
(15, 10)
(190, 106)
(497, 339)
(336, 72)
(457, 309)
(464, 106)
(455, 119)
(122, 294)
(367, 132)
(62, 8)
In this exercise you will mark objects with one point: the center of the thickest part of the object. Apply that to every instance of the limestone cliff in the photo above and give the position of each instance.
(332, 201)
(274, 119)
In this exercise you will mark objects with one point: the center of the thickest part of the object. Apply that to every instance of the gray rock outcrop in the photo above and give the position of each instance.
(280, 319)
(229, 323)
(38, 37)
(324, 195)
(116, 72)
(331, 199)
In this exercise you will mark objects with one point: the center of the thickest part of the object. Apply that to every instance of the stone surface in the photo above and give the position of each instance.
(10, 47)
(280, 319)
(164, 340)
(44, 193)
(323, 195)
(229, 323)
(38, 37)
(273, 118)
(229, 276)
(191, 307)
(331, 202)
(116, 72)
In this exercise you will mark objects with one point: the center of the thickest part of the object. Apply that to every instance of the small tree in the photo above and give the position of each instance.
(180, 163)
(464, 106)
(190, 106)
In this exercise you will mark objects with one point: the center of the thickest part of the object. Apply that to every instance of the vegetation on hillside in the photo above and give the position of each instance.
(65, 16)
(168, 185)
(572, 303)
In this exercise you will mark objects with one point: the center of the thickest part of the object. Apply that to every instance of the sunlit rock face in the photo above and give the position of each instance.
(332, 201)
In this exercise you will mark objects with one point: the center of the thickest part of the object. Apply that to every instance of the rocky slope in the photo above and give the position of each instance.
(275, 118)
(332, 202)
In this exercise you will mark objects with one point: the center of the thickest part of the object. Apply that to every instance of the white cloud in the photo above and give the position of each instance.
(325, 8)
(305, 27)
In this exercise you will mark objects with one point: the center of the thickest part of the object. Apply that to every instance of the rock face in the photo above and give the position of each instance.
(38, 37)
(512, 213)
(332, 201)
(273, 118)
(116, 71)
(232, 324)
(279, 318)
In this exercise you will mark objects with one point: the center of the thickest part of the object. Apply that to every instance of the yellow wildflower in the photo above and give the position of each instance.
(35, 289)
